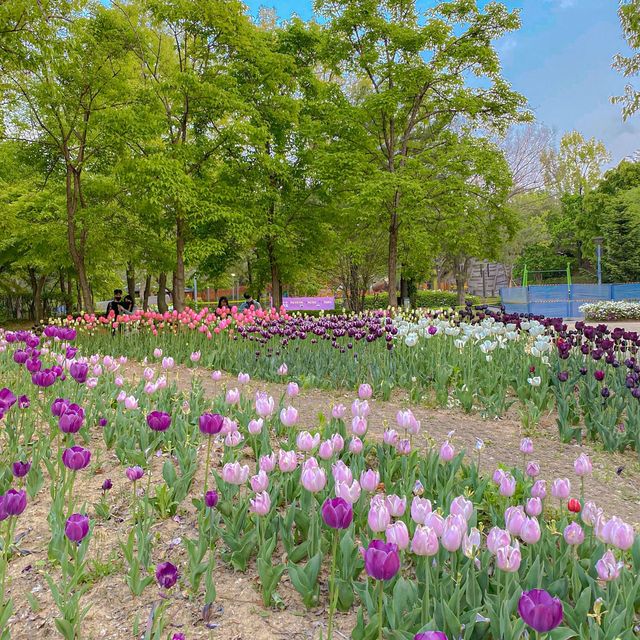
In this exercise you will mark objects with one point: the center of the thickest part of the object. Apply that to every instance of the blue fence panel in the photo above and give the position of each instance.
(544, 293)
(590, 292)
(514, 295)
(626, 291)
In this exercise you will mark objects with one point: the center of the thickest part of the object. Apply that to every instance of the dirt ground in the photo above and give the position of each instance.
(614, 485)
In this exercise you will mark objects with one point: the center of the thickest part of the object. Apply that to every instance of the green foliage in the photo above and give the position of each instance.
(424, 300)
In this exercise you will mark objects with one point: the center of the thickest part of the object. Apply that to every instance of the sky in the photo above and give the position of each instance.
(560, 60)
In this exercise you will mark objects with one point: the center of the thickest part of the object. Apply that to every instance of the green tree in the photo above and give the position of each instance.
(629, 66)
(416, 68)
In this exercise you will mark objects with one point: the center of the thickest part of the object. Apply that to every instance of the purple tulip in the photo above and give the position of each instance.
(337, 513)
(20, 356)
(102, 422)
(77, 527)
(24, 402)
(59, 405)
(79, 371)
(70, 421)
(20, 469)
(107, 484)
(598, 375)
(211, 499)
(430, 635)
(7, 400)
(14, 502)
(381, 560)
(44, 378)
(166, 575)
(540, 610)
(210, 423)
(33, 365)
(134, 473)
(76, 458)
(3, 511)
(159, 420)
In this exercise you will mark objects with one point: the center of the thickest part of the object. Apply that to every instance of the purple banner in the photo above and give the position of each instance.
(309, 304)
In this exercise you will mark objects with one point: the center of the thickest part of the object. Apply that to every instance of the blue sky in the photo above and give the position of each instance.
(560, 60)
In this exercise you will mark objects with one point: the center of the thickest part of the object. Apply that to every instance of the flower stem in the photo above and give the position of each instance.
(206, 465)
(380, 609)
(332, 584)
(425, 593)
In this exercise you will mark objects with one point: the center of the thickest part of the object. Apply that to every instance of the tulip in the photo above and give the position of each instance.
(306, 442)
(471, 542)
(573, 534)
(508, 558)
(598, 375)
(403, 447)
(287, 461)
(369, 480)
(292, 389)
(447, 452)
(350, 493)
(107, 485)
(590, 513)
(24, 402)
(398, 534)
(407, 421)
(130, 403)
(452, 534)
(79, 371)
(210, 423)
(607, 567)
(166, 575)
(341, 472)
(20, 469)
(526, 446)
(76, 458)
(268, 463)
(235, 473)
(424, 542)
(430, 635)
(148, 374)
(337, 513)
(261, 504)
(396, 505)
(574, 505)
(533, 507)
(119, 381)
(157, 353)
(497, 539)
(420, 509)
(360, 408)
(618, 534)
(134, 473)
(436, 522)
(514, 518)
(216, 376)
(233, 439)
(289, 416)
(561, 488)
(259, 482)
(337, 443)
(379, 517)
(168, 363)
(232, 397)
(381, 560)
(243, 378)
(355, 445)
(582, 465)
(390, 437)
(365, 391)
(13, 503)
(507, 485)
(158, 420)
(460, 506)
(338, 411)
(540, 610)
(530, 531)
(211, 499)
(539, 489)
(265, 405)
(359, 426)
(533, 469)
(313, 479)
(76, 527)
(255, 426)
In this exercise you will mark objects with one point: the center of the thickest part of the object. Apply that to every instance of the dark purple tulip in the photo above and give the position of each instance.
(15, 502)
(210, 423)
(70, 421)
(563, 376)
(44, 378)
(430, 635)
(59, 405)
(79, 371)
(68, 334)
(71, 353)
(102, 422)
(540, 610)
(20, 469)
(605, 393)
(107, 484)
(337, 513)
(50, 331)
(7, 399)
(381, 560)
(33, 365)
(76, 458)
(3, 511)
(159, 420)
(598, 375)
(76, 527)
(166, 575)
(583, 371)
(59, 371)
(211, 499)
(20, 356)
(24, 402)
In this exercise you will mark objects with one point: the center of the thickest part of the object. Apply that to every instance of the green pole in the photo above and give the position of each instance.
(569, 275)
(525, 276)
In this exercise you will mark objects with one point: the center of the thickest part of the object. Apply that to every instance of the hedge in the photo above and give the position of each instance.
(430, 299)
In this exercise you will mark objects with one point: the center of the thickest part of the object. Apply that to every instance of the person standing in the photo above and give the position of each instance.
(249, 302)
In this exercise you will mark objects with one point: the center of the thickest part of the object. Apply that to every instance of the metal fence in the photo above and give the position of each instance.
(562, 300)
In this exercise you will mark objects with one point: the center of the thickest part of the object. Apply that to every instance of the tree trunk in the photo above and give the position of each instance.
(37, 299)
(131, 280)
(162, 293)
(147, 293)
(404, 290)
(460, 270)
(178, 276)
(76, 252)
(276, 293)
(393, 260)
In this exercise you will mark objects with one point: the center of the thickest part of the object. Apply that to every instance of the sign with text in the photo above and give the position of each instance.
(309, 304)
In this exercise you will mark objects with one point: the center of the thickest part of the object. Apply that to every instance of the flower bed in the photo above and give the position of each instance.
(611, 310)
(411, 537)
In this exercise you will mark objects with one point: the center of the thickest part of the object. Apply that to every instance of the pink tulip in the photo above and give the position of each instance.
(287, 461)
(216, 376)
(337, 443)
(306, 442)
(533, 469)
(232, 397)
(360, 408)
(243, 378)
(582, 466)
(403, 447)
(607, 567)
(91, 383)
(118, 381)
(497, 539)
(420, 509)
(283, 369)
(97, 370)
(530, 531)
(261, 504)
(407, 421)
(425, 541)
(365, 391)
(590, 513)
(157, 353)
(573, 534)
(292, 389)
(341, 472)
(255, 426)
(514, 518)
(348, 492)
(435, 521)
(148, 374)
(355, 445)
(235, 473)
(359, 426)
(460, 506)
(233, 439)
(260, 482)
(313, 479)
(507, 485)
(289, 416)
(326, 450)
(498, 474)
(526, 446)
(168, 363)
(268, 463)
(379, 517)
(561, 488)
(369, 480)
(447, 452)
(338, 411)
(471, 542)
(539, 489)
(396, 505)
(228, 426)
(398, 534)
(390, 437)
(453, 532)
(195, 356)
(508, 559)
(619, 534)
(131, 403)
(265, 405)
(533, 507)
(161, 382)
(122, 396)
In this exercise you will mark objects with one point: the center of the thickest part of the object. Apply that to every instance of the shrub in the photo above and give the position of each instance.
(431, 299)
(611, 310)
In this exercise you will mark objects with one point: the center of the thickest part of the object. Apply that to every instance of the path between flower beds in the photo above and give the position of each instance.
(614, 485)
